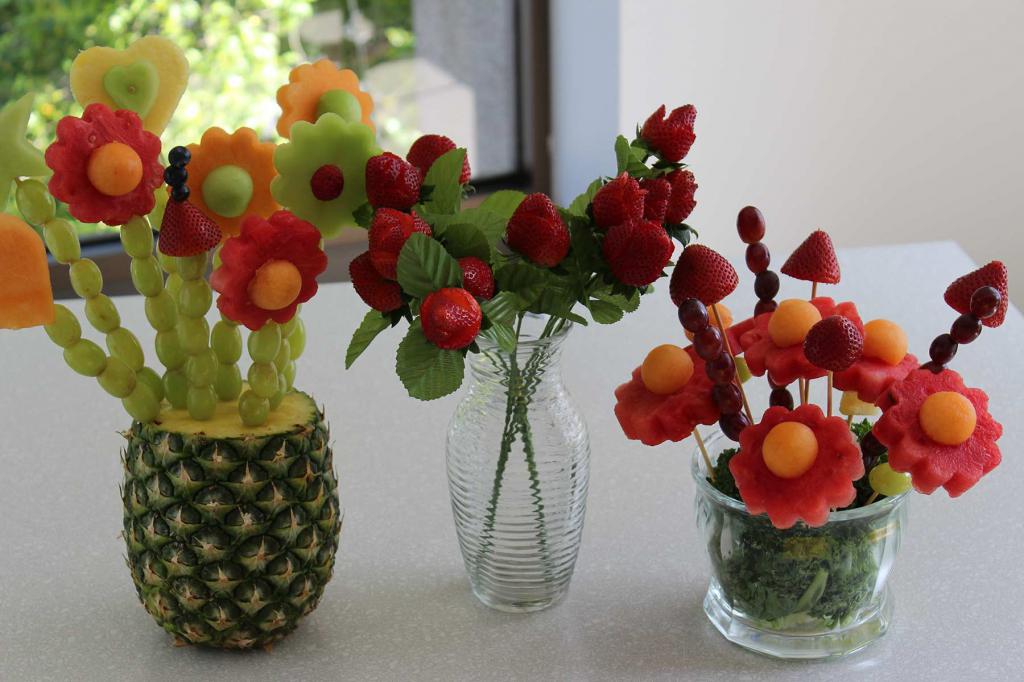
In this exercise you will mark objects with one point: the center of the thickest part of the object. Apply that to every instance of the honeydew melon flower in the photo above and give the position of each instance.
(322, 171)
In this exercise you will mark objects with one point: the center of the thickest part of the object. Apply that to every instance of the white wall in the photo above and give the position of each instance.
(879, 121)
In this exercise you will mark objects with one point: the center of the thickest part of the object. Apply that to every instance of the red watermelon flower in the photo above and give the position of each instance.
(930, 463)
(106, 167)
(268, 269)
(826, 484)
(871, 377)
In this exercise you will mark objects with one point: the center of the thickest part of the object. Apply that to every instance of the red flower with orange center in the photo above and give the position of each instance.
(268, 269)
(106, 167)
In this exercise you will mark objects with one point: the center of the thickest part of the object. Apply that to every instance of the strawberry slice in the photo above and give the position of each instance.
(704, 274)
(814, 260)
(959, 293)
(186, 231)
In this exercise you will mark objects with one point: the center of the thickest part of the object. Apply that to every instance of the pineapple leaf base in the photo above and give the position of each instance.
(231, 531)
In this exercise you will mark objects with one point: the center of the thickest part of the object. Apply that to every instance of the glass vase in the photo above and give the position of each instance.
(518, 459)
(801, 592)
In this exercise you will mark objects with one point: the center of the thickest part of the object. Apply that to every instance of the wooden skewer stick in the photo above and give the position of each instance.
(874, 496)
(814, 290)
(830, 393)
(736, 376)
(849, 420)
(801, 391)
(704, 451)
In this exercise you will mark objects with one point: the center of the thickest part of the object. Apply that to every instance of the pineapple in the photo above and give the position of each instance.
(231, 530)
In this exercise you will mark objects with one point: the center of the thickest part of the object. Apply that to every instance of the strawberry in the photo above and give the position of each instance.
(680, 202)
(426, 150)
(477, 277)
(814, 260)
(388, 233)
(536, 230)
(959, 293)
(834, 344)
(619, 201)
(186, 231)
(451, 318)
(659, 191)
(378, 293)
(637, 251)
(392, 182)
(671, 137)
(702, 273)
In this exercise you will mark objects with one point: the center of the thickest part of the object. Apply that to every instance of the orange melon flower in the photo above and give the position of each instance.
(229, 177)
(302, 99)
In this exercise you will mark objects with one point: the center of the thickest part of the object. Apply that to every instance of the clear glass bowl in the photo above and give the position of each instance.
(801, 592)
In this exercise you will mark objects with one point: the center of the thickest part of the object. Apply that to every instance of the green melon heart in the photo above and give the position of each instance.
(133, 86)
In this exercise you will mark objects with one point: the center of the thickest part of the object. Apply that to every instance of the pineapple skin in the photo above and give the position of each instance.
(231, 540)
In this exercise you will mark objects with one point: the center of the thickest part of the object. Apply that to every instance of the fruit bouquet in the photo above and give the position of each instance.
(499, 285)
(803, 518)
(231, 511)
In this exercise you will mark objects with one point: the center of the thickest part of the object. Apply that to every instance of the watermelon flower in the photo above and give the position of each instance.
(871, 377)
(268, 269)
(106, 167)
(924, 416)
(825, 483)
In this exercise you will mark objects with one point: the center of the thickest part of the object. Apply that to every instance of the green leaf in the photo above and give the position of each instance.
(443, 179)
(523, 279)
(627, 303)
(488, 222)
(503, 335)
(503, 203)
(372, 325)
(363, 215)
(502, 309)
(424, 266)
(604, 312)
(463, 239)
(621, 153)
(426, 371)
(579, 205)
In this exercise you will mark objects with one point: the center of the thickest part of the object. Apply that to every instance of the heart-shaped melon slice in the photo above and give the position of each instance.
(148, 77)
(26, 298)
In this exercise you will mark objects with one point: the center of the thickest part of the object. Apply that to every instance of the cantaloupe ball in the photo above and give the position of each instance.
(277, 283)
(947, 417)
(790, 449)
(666, 369)
(885, 341)
(114, 169)
(723, 312)
(791, 321)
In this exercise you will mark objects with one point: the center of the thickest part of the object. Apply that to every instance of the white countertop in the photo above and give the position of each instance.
(399, 606)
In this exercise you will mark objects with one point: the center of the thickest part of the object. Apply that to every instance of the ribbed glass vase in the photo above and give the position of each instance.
(518, 464)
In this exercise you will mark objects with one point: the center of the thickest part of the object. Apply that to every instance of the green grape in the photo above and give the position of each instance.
(117, 378)
(176, 388)
(62, 240)
(264, 344)
(86, 278)
(885, 481)
(297, 339)
(173, 284)
(193, 334)
(169, 350)
(34, 202)
(253, 409)
(263, 379)
(202, 402)
(284, 355)
(194, 298)
(168, 263)
(147, 276)
(123, 345)
(216, 256)
(228, 383)
(152, 381)
(137, 238)
(192, 267)
(289, 375)
(102, 314)
(227, 343)
(288, 327)
(65, 329)
(201, 368)
(86, 358)
(141, 404)
(161, 312)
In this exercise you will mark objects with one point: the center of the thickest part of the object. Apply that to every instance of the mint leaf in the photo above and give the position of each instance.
(463, 239)
(503, 335)
(443, 180)
(604, 312)
(627, 303)
(372, 325)
(502, 309)
(622, 154)
(426, 371)
(503, 203)
(579, 205)
(523, 279)
(424, 266)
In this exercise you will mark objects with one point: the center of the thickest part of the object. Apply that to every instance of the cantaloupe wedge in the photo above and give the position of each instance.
(149, 77)
(26, 298)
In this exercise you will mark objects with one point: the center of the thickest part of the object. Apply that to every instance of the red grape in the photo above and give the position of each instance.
(733, 424)
(965, 328)
(766, 285)
(985, 302)
(758, 257)
(693, 315)
(750, 225)
(708, 343)
(765, 307)
(781, 397)
(721, 369)
(943, 349)
(727, 397)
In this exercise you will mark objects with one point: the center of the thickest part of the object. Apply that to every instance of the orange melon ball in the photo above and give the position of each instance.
(885, 341)
(277, 283)
(790, 449)
(666, 369)
(723, 312)
(947, 417)
(791, 321)
(114, 169)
